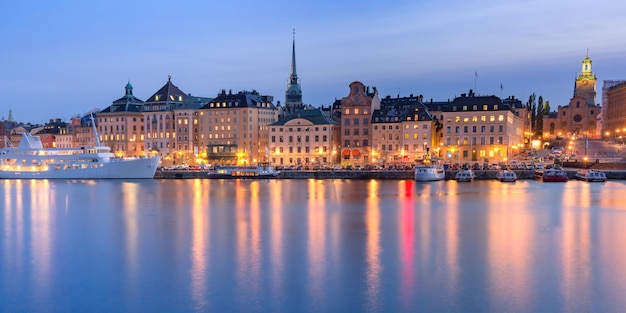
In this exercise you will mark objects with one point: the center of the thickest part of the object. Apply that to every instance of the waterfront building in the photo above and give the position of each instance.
(121, 126)
(187, 131)
(479, 129)
(579, 117)
(614, 108)
(306, 137)
(233, 127)
(403, 131)
(159, 123)
(356, 115)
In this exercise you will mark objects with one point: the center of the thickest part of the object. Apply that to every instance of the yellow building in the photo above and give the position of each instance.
(479, 129)
(304, 138)
(404, 131)
(233, 128)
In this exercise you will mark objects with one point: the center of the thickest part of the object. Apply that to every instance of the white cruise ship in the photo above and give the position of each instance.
(30, 160)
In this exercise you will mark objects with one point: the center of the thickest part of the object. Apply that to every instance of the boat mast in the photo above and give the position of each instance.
(95, 132)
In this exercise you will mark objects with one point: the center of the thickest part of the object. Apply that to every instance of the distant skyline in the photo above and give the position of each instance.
(62, 59)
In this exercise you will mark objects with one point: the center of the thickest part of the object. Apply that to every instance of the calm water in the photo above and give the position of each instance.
(312, 246)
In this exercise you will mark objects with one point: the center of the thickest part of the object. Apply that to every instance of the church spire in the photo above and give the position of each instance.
(293, 95)
(294, 75)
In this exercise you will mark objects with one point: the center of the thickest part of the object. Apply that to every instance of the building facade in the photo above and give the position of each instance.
(615, 123)
(403, 131)
(307, 138)
(356, 114)
(479, 129)
(187, 130)
(233, 127)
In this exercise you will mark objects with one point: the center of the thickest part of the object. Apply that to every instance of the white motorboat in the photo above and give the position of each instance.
(506, 176)
(430, 172)
(591, 176)
(465, 176)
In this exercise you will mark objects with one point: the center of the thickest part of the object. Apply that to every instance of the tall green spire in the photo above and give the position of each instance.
(293, 95)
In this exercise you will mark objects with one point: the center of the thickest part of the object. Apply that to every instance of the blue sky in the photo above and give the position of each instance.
(63, 58)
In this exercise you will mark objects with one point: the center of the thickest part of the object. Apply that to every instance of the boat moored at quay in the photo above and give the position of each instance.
(591, 176)
(30, 160)
(551, 176)
(262, 170)
(465, 176)
(506, 176)
(430, 172)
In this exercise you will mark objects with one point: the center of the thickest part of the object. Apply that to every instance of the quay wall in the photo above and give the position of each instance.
(390, 175)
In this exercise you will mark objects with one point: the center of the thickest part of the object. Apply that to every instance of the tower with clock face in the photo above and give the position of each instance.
(586, 82)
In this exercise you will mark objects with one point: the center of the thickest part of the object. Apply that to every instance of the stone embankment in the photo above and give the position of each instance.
(391, 175)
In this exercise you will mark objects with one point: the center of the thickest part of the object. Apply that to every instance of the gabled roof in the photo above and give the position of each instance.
(315, 116)
(168, 93)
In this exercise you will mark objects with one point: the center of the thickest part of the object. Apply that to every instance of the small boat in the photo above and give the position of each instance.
(430, 172)
(464, 176)
(506, 176)
(262, 170)
(551, 175)
(591, 176)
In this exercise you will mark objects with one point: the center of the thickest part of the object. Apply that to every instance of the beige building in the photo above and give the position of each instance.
(479, 129)
(233, 128)
(306, 137)
(187, 129)
(404, 131)
(121, 126)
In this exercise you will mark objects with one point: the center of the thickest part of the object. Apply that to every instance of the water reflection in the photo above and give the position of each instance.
(373, 266)
(312, 245)
(199, 248)
(316, 242)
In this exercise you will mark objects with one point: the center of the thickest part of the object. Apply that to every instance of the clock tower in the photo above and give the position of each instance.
(586, 82)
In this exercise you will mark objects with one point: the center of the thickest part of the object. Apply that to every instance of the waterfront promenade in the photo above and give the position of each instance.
(613, 173)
